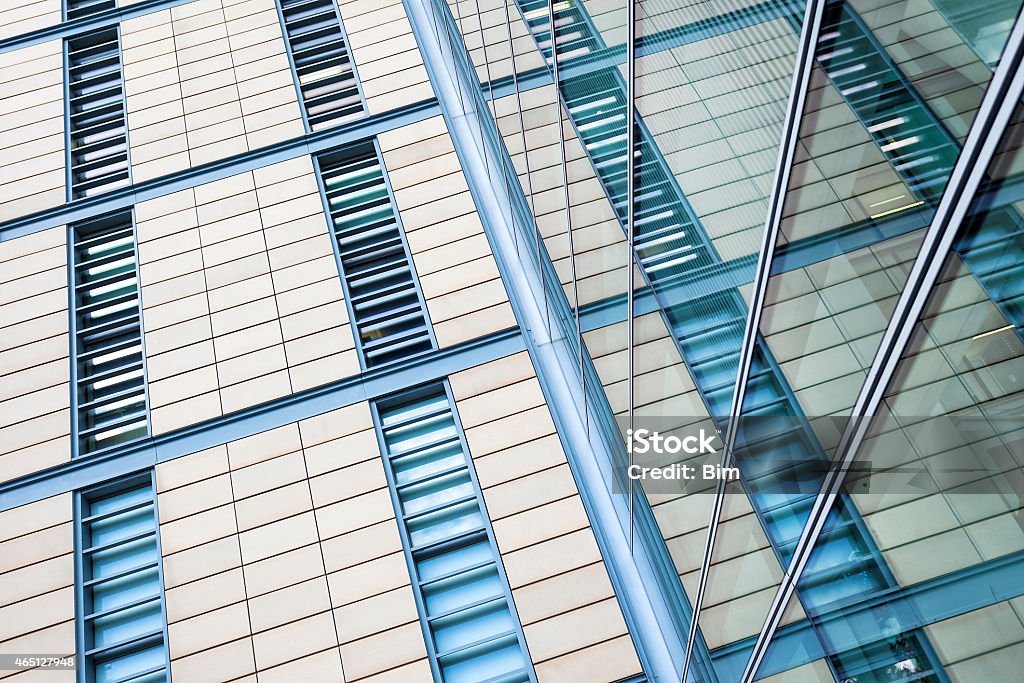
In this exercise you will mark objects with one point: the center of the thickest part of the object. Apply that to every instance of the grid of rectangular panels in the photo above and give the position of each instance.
(322, 63)
(463, 591)
(387, 307)
(121, 615)
(76, 9)
(96, 113)
(111, 386)
(670, 244)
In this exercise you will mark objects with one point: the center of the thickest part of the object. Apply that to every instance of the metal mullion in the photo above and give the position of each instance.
(134, 643)
(121, 541)
(805, 61)
(465, 608)
(462, 649)
(1000, 100)
(439, 507)
(458, 572)
(113, 513)
(122, 608)
(106, 426)
(92, 583)
(427, 478)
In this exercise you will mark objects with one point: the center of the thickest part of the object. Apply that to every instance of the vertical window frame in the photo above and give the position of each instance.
(73, 187)
(347, 152)
(75, 347)
(403, 398)
(303, 109)
(85, 663)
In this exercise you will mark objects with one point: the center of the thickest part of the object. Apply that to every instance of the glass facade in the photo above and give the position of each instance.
(795, 225)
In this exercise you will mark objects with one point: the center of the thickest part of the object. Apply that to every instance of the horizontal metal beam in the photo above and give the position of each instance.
(87, 471)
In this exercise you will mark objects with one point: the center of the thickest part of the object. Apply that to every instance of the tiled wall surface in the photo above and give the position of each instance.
(387, 59)
(282, 553)
(482, 24)
(241, 297)
(37, 578)
(282, 556)
(572, 621)
(21, 16)
(32, 162)
(35, 396)
(204, 81)
(599, 243)
(464, 293)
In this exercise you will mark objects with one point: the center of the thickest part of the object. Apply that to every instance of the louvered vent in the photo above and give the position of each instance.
(99, 142)
(87, 8)
(108, 334)
(121, 608)
(464, 593)
(323, 65)
(389, 312)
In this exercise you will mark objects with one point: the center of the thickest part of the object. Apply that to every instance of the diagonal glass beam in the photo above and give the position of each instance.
(1000, 100)
(784, 166)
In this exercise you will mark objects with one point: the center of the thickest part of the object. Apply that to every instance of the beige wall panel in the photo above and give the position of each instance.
(464, 293)
(256, 567)
(23, 16)
(537, 516)
(385, 53)
(241, 297)
(599, 242)
(32, 162)
(35, 393)
(482, 24)
(204, 81)
(37, 603)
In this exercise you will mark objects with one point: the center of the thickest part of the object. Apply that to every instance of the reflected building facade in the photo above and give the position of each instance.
(324, 322)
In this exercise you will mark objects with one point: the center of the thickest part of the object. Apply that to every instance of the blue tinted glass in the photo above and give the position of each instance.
(463, 589)
(125, 525)
(121, 591)
(486, 662)
(446, 523)
(123, 557)
(130, 664)
(480, 623)
(455, 560)
(436, 492)
(128, 624)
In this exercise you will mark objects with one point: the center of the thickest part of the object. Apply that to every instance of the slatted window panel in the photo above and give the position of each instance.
(96, 114)
(387, 307)
(76, 9)
(322, 62)
(108, 334)
(121, 612)
(474, 631)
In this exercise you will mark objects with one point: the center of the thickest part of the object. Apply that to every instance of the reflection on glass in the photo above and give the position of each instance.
(939, 480)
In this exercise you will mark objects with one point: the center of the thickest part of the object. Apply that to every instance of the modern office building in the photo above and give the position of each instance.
(322, 325)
